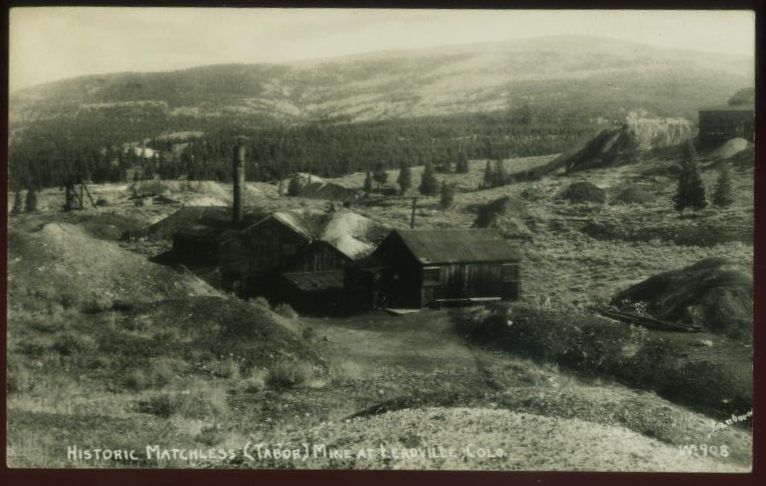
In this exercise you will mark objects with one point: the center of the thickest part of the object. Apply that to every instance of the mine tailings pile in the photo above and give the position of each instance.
(614, 146)
(715, 294)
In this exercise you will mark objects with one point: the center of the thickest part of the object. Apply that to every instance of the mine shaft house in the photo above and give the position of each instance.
(419, 268)
(733, 120)
(297, 256)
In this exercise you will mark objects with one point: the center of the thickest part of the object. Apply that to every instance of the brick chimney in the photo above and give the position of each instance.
(238, 176)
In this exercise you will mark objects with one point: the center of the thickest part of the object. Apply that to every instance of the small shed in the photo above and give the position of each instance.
(419, 268)
(311, 292)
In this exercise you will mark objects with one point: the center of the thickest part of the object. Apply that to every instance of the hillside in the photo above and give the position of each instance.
(591, 76)
(129, 353)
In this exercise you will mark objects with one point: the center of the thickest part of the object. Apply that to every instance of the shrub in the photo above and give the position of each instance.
(309, 334)
(210, 435)
(201, 402)
(345, 372)
(70, 343)
(286, 374)
(98, 303)
(225, 368)
(286, 310)
(583, 192)
(256, 381)
(20, 379)
(158, 373)
(634, 195)
(260, 303)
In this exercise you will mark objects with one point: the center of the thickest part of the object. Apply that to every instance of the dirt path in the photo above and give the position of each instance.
(404, 365)
(422, 342)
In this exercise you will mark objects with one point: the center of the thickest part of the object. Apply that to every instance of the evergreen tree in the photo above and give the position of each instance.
(690, 192)
(723, 197)
(501, 175)
(461, 167)
(405, 178)
(17, 203)
(30, 204)
(368, 183)
(489, 176)
(447, 196)
(429, 186)
(380, 175)
(294, 186)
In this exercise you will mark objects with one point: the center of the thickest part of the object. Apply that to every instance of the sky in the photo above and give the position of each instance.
(52, 43)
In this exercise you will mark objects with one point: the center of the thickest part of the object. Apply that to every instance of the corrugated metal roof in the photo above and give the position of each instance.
(315, 281)
(458, 245)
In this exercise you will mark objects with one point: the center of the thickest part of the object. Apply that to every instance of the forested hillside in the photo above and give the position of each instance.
(516, 98)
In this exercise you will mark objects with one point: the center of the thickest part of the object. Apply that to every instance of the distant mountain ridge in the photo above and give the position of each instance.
(594, 76)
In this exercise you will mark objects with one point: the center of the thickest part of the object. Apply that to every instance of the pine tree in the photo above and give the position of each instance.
(368, 183)
(461, 167)
(405, 178)
(17, 203)
(501, 175)
(447, 196)
(489, 176)
(429, 186)
(294, 186)
(690, 192)
(723, 197)
(30, 204)
(380, 175)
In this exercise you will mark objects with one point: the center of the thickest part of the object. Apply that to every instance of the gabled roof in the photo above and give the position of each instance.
(458, 245)
(352, 234)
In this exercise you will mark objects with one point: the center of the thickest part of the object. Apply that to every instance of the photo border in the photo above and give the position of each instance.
(401, 478)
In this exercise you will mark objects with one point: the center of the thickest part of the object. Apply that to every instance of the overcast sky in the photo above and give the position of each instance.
(52, 43)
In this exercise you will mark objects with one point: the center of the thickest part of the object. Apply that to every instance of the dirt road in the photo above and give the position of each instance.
(407, 364)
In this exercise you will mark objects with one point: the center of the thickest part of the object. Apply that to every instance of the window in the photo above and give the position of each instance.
(431, 275)
(510, 272)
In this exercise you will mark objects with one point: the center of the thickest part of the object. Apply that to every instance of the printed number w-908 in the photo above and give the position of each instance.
(704, 450)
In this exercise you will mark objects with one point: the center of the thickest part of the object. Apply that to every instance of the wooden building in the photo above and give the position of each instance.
(261, 249)
(419, 268)
(320, 292)
(719, 124)
(265, 257)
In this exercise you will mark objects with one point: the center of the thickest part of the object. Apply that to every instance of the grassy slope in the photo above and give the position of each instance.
(99, 337)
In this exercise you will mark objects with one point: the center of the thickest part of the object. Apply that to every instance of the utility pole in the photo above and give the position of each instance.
(238, 166)
(412, 219)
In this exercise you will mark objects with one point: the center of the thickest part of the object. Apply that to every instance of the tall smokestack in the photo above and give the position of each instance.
(238, 174)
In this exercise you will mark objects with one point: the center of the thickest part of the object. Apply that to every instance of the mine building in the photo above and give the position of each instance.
(419, 268)
(297, 256)
(734, 120)
(335, 260)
